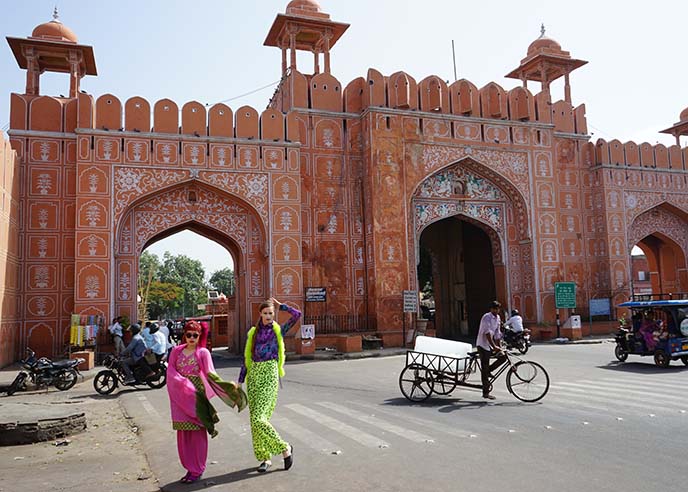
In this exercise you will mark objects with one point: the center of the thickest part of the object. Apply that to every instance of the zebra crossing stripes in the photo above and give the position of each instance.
(611, 399)
(441, 429)
(631, 391)
(346, 430)
(409, 434)
(306, 436)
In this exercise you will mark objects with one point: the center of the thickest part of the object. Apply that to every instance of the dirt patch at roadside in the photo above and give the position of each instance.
(107, 456)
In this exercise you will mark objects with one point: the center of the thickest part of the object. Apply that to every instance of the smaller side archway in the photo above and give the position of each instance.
(662, 235)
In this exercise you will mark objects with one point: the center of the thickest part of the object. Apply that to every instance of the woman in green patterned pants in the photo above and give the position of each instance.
(262, 368)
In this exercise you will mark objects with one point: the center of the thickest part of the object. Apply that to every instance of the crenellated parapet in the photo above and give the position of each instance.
(431, 95)
(638, 156)
(108, 113)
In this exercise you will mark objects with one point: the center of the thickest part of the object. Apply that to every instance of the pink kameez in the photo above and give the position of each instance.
(184, 375)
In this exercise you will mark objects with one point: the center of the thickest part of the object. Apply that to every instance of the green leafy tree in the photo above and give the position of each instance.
(189, 275)
(164, 299)
(223, 281)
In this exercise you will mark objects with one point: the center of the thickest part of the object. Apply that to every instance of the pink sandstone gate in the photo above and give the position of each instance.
(340, 167)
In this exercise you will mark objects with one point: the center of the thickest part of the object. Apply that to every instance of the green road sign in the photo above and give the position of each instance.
(565, 295)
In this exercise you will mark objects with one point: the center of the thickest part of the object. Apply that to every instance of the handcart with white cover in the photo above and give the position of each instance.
(438, 366)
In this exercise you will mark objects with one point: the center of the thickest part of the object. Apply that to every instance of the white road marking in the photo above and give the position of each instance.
(453, 431)
(409, 434)
(148, 407)
(309, 438)
(338, 426)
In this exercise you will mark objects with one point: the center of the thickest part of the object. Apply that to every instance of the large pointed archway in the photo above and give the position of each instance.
(210, 212)
(466, 222)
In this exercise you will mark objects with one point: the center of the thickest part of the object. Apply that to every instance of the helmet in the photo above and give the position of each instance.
(135, 328)
(514, 312)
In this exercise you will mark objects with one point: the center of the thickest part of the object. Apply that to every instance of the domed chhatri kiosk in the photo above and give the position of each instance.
(360, 190)
(53, 47)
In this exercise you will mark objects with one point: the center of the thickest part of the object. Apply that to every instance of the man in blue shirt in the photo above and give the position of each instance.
(134, 352)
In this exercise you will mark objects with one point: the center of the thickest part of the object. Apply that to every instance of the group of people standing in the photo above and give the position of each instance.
(192, 381)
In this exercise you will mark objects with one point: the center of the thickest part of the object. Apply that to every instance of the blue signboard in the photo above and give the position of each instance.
(599, 307)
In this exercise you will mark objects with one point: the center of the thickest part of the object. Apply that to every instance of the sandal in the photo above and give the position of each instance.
(263, 467)
(191, 478)
(185, 478)
(289, 460)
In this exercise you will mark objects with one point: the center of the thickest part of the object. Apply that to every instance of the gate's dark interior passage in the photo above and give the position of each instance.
(456, 259)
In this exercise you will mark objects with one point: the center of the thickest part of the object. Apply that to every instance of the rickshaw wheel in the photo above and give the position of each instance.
(620, 353)
(684, 359)
(416, 382)
(661, 358)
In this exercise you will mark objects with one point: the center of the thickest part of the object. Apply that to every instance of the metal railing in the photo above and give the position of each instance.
(335, 324)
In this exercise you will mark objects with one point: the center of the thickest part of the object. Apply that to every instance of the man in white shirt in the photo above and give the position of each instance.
(487, 343)
(159, 345)
(166, 333)
(116, 332)
(513, 326)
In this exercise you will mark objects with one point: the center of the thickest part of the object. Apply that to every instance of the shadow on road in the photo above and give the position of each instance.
(115, 394)
(446, 405)
(233, 477)
(643, 367)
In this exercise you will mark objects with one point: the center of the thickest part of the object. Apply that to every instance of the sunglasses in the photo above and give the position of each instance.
(191, 335)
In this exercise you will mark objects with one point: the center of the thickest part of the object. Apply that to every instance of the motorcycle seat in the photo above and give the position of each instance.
(63, 363)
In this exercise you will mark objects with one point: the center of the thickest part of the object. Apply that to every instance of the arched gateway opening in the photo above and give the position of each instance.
(220, 312)
(661, 269)
(466, 218)
(457, 267)
(210, 212)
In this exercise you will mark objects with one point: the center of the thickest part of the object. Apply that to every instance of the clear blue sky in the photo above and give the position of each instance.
(212, 50)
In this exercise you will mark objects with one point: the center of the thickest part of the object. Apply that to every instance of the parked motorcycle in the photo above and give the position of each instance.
(18, 383)
(107, 380)
(43, 372)
(517, 341)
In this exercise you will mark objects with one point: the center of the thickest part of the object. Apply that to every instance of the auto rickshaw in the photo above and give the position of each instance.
(658, 328)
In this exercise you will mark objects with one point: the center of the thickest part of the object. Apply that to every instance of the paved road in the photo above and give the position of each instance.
(603, 426)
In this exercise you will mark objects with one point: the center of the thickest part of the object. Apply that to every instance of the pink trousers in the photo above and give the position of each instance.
(193, 450)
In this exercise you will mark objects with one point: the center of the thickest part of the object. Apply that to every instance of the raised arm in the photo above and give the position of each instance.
(295, 316)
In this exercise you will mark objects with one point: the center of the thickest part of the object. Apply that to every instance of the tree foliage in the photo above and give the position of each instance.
(223, 281)
(164, 299)
(189, 275)
(170, 288)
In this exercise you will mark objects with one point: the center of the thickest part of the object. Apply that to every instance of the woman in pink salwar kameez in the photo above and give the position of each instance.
(191, 382)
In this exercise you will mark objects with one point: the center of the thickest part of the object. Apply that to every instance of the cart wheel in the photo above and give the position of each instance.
(661, 358)
(416, 382)
(527, 381)
(443, 385)
(620, 353)
(684, 359)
